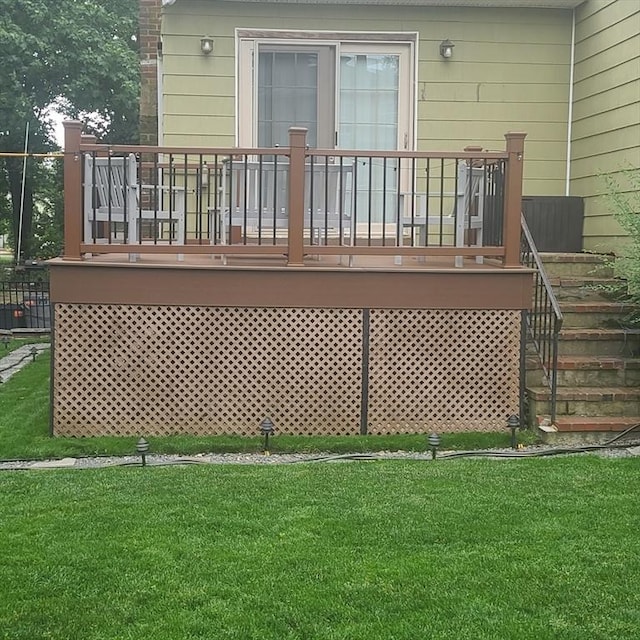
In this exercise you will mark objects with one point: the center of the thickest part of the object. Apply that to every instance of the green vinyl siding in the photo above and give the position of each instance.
(606, 111)
(510, 71)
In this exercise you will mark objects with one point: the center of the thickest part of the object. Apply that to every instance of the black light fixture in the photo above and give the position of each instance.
(142, 448)
(434, 443)
(266, 429)
(34, 353)
(513, 422)
(206, 45)
(5, 341)
(446, 49)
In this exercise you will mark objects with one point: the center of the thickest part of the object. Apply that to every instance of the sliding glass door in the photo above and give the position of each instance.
(352, 94)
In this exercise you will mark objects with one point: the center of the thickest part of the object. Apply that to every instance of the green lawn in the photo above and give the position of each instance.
(15, 343)
(388, 550)
(24, 431)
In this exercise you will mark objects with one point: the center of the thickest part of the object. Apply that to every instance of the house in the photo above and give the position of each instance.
(565, 71)
(407, 318)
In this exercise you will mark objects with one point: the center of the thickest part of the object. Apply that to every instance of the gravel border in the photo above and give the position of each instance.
(155, 460)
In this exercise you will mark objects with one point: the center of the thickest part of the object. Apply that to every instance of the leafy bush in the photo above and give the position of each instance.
(623, 195)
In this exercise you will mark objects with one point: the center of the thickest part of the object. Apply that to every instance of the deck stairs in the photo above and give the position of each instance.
(598, 393)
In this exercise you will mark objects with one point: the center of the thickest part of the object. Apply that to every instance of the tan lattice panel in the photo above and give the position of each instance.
(443, 370)
(126, 370)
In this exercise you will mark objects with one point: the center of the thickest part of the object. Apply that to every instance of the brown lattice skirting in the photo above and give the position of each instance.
(128, 370)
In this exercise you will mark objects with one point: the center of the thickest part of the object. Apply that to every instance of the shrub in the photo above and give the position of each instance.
(623, 194)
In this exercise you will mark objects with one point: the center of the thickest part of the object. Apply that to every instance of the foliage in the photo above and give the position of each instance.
(76, 57)
(24, 431)
(623, 194)
(48, 215)
(390, 550)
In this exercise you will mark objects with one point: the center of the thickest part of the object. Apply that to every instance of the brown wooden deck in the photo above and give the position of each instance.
(209, 333)
(377, 283)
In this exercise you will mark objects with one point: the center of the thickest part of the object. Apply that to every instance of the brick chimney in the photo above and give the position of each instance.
(149, 35)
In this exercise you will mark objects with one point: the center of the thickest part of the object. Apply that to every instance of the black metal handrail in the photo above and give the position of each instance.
(544, 321)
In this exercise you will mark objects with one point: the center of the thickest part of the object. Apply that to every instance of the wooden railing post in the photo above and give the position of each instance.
(72, 190)
(513, 198)
(297, 150)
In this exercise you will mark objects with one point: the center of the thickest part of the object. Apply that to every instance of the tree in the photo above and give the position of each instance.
(77, 57)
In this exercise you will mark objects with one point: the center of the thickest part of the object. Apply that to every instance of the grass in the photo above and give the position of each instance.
(15, 343)
(387, 550)
(24, 431)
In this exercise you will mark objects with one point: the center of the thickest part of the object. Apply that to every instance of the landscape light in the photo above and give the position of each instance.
(142, 448)
(266, 429)
(513, 422)
(434, 443)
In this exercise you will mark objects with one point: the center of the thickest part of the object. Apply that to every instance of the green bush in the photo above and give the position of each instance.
(623, 194)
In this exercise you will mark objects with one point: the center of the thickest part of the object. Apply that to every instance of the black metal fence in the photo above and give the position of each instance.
(24, 300)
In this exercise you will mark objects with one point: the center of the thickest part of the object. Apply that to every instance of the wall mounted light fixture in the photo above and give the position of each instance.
(206, 45)
(446, 48)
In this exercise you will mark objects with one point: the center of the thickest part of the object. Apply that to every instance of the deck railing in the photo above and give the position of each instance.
(292, 201)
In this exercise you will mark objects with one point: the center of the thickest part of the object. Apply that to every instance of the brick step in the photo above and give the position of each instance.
(589, 371)
(586, 401)
(585, 341)
(576, 264)
(594, 314)
(582, 289)
(578, 423)
(581, 430)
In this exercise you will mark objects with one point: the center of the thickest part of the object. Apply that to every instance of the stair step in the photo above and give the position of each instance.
(598, 362)
(589, 371)
(578, 430)
(576, 264)
(595, 313)
(571, 282)
(578, 423)
(585, 288)
(585, 341)
(592, 394)
(609, 371)
(586, 401)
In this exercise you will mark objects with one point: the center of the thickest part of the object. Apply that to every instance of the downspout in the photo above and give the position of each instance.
(570, 113)
(159, 92)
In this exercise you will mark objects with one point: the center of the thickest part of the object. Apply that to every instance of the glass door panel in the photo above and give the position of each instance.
(368, 101)
(292, 91)
(372, 93)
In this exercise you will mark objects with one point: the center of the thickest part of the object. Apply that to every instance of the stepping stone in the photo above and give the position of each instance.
(54, 464)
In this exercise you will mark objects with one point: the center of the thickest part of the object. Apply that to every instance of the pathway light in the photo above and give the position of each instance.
(434, 443)
(513, 422)
(142, 448)
(266, 429)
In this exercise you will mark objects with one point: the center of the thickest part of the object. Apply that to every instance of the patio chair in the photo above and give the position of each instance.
(118, 209)
(464, 222)
(255, 199)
